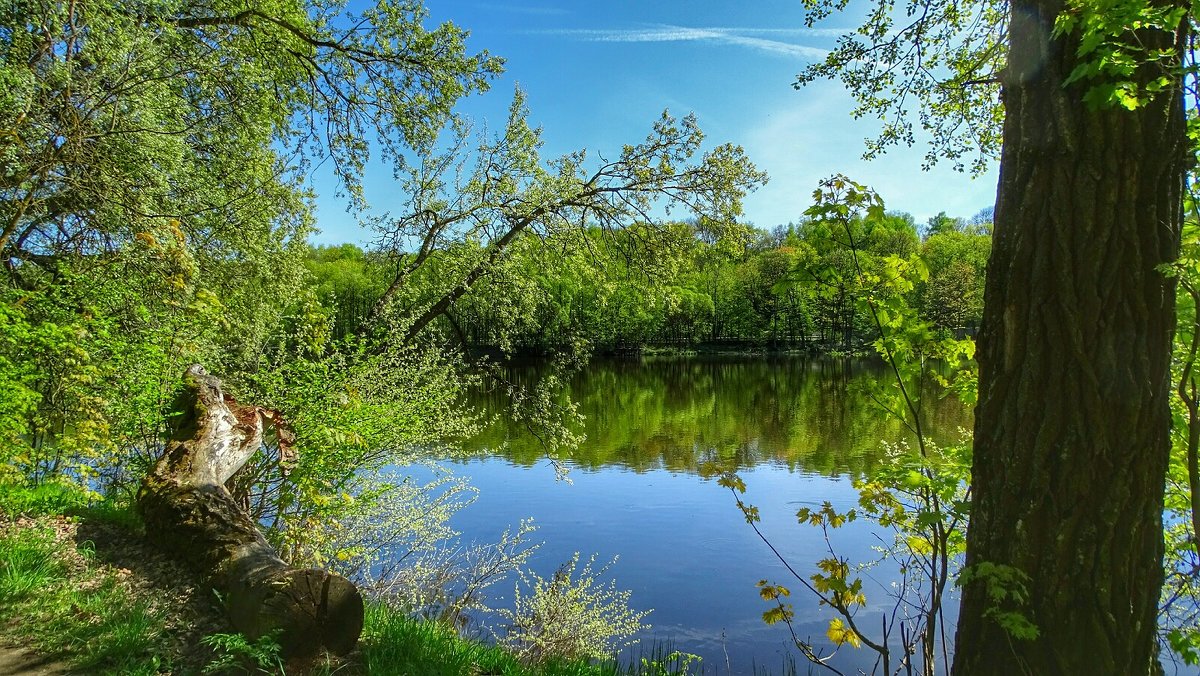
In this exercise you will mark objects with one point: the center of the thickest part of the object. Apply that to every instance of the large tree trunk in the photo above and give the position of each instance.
(188, 511)
(1071, 431)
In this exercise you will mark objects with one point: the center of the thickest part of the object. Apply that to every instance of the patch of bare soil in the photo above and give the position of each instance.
(16, 661)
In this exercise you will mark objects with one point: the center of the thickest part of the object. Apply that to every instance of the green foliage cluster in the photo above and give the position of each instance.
(1007, 588)
(1110, 53)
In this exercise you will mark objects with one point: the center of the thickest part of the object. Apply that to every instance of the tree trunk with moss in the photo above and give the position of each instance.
(1072, 427)
(189, 512)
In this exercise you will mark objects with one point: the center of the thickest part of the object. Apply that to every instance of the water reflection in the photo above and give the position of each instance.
(811, 415)
(793, 428)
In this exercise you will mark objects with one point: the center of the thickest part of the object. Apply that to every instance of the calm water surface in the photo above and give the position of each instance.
(796, 430)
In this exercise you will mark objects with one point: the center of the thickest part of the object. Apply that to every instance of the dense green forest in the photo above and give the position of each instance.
(791, 287)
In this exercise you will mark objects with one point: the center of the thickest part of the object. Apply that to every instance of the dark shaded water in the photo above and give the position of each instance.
(796, 430)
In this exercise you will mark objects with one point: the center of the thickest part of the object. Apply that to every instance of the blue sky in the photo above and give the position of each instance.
(598, 74)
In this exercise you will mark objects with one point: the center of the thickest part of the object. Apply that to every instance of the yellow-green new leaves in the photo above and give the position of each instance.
(735, 484)
(771, 592)
(732, 482)
(839, 633)
(749, 511)
(833, 582)
(781, 612)
(825, 516)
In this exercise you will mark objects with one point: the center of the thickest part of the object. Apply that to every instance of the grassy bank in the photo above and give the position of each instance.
(56, 598)
(79, 586)
(395, 644)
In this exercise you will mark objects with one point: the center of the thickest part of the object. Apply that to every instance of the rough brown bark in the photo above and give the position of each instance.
(1071, 432)
(188, 511)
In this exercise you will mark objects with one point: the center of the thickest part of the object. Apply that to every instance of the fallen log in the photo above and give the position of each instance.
(188, 511)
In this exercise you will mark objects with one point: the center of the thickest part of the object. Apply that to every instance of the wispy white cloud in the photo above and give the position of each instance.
(741, 37)
(775, 46)
(799, 32)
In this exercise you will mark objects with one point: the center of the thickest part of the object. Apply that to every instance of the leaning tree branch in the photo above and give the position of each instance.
(244, 19)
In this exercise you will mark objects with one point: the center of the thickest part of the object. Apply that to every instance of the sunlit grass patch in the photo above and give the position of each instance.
(394, 643)
(28, 564)
(55, 599)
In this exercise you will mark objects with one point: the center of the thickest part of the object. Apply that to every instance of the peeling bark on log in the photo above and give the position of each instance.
(189, 512)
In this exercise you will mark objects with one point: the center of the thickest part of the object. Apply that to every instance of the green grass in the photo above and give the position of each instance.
(28, 564)
(396, 644)
(393, 643)
(47, 498)
(57, 498)
(109, 631)
(57, 601)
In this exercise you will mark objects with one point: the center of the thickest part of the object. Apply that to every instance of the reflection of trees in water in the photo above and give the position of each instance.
(680, 413)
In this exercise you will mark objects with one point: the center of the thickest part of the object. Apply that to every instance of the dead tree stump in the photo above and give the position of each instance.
(188, 512)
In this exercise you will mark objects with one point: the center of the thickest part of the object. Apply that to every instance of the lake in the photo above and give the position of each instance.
(795, 429)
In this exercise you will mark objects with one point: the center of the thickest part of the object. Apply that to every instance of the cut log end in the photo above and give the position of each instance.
(311, 609)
